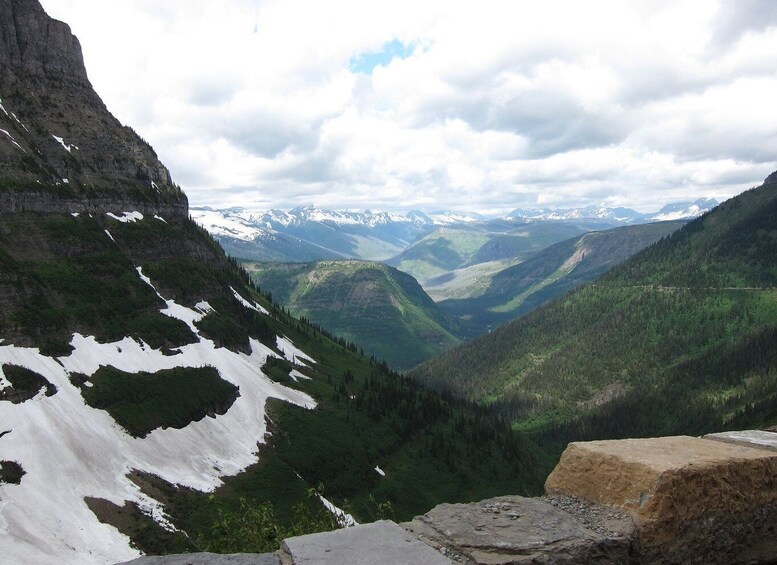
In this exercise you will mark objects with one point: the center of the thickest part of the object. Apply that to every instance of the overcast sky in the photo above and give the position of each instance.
(480, 105)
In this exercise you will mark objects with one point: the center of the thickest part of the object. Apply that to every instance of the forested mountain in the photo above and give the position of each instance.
(377, 307)
(682, 338)
(148, 391)
(552, 272)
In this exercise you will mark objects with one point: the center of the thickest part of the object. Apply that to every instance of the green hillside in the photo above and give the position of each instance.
(382, 310)
(682, 338)
(552, 272)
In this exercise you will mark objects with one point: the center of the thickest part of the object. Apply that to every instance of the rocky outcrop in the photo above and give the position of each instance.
(60, 148)
(34, 46)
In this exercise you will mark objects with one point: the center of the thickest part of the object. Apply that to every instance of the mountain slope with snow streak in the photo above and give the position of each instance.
(71, 451)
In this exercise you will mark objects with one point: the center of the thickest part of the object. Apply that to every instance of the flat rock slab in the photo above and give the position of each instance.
(208, 559)
(758, 439)
(379, 543)
(514, 529)
(692, 500)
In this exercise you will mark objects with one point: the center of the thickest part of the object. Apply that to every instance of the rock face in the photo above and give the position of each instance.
(60, 148)
(692, 500)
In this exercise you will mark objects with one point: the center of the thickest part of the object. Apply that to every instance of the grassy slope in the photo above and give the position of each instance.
(676, 340)
(377, 307)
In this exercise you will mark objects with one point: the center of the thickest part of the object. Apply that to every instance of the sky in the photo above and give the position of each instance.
(480, 106)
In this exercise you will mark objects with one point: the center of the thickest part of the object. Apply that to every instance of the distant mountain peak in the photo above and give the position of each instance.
(616, 216)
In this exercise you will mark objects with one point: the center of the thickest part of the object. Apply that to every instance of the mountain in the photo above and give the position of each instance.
(150, 396)
(684, 210)
(310, 234)
(58, 142)
(678, 339)
(616, 216)
(552, 272)
(377, 307)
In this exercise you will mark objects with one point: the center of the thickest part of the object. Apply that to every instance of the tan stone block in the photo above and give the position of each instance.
(686, 495)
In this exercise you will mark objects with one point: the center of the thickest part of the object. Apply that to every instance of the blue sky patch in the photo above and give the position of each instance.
(366, 62)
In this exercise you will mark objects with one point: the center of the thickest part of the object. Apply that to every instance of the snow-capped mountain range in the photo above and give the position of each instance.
(309, 233)
(618, 216)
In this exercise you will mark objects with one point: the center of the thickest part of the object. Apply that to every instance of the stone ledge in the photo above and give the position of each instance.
(517, 530)
(758, 439)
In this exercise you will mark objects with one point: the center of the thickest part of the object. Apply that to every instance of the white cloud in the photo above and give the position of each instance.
(487, 106)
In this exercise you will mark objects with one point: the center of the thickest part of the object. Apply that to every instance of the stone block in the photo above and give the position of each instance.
(378, 543)
(692, 500)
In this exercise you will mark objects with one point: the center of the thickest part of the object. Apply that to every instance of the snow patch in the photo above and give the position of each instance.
(75, 214)
(68, 147)
(109, 235)
(12, 139)
(379, 471)
(251, 306)
(160, 218)
(204, 307)
(126, 217)
(343, 518)
(296, 375)
(292, 352)
(18, 121)
(70, 450)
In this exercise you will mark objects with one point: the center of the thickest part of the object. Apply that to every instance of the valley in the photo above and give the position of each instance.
(178, 379)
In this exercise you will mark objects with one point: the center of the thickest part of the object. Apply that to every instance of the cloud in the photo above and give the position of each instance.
(442, 104)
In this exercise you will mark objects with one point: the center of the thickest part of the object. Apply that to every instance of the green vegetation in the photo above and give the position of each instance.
(277, 369)
(254, 528)
(25, 384)
(679, 339)
(11, 472)
(142, 402)
(380, 309)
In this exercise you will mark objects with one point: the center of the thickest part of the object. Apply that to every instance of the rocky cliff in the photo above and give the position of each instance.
(60, 148)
